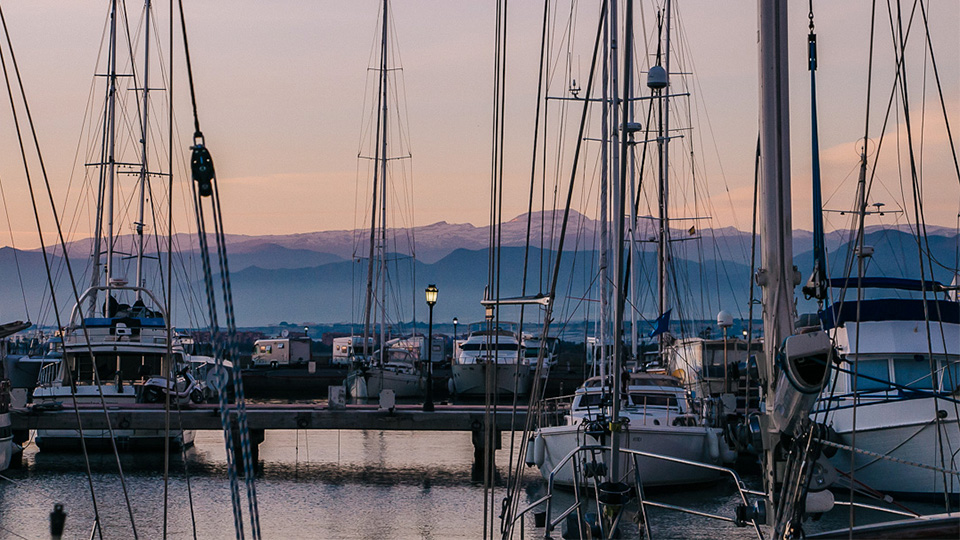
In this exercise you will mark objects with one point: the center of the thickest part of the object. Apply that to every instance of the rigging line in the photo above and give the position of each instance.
(49, 192)
(16, 258)
(753, 256)
(234, 354)
(921, 226)
(214, 327)
(943, 105)
(221, 368)
(512, 492)
(548, 316)
(169, 289)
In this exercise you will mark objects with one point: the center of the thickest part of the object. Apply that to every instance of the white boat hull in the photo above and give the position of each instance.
(471, 379)
(6, 442)
(904, 430)
(89, 395)
(402, 384)
(689, 443)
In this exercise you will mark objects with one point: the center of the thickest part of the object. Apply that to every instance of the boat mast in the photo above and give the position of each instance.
(619, 209)
(778, 277)
(144, 132)
(605, 280)
(382, 161)
(383, 189)
(111, 145)
(663, 249)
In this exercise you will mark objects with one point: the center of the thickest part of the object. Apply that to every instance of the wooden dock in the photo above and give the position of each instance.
(271, 416)
(264, 417)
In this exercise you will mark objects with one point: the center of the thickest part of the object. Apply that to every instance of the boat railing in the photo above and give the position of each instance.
(91, 292)
(48, 374)
(743, 517)
(553, 411)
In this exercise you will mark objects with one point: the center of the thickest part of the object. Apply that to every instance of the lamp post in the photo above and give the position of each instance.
(431, 294)
(456, 321)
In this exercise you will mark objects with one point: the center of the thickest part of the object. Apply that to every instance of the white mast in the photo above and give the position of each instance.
(381, 133)
(663, 249)
(111, 145)
(777, 277)
(604, 213)
(144, 133)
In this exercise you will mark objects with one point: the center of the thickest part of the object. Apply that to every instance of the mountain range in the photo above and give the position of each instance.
(320, 277)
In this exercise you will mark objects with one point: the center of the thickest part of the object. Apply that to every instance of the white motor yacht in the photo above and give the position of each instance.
(496, 349)
(906, 356)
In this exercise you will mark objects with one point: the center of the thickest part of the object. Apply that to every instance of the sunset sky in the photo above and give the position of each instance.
(281, 88)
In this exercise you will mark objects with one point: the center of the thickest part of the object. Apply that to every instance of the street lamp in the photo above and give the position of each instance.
(431, 294)
(456, 321)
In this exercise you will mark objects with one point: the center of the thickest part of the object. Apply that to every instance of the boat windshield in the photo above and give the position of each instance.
(653, 400)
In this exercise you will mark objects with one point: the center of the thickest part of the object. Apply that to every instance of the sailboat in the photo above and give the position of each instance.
(118, 336)
(388, 368)
(654, 411)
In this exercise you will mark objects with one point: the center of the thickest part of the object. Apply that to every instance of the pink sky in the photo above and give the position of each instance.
(281, 86)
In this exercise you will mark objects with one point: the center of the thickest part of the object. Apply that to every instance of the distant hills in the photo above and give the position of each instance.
(320, 277)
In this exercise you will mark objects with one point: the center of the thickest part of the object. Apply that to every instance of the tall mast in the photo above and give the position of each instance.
(604, 318)
(663, 249)
(777, 277)
(383, 188)
(619, 206)
(111, 143)
(380, 159)
(144, 132)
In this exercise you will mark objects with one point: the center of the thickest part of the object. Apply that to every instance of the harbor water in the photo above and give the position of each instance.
(314, 484)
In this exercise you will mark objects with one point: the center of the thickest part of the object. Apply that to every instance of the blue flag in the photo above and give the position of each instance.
(662, 324)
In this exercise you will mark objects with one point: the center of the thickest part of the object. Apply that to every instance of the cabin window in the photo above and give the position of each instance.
(132, 367)
(652, 400)
(873, 374)
(280, 345)
(913, 372)
(591, 400)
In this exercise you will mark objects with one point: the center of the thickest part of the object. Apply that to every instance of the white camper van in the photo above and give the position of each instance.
(345, 348)
(286, 350)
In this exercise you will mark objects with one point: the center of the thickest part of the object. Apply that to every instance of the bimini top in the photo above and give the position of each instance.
(901, 284)
(890, 309)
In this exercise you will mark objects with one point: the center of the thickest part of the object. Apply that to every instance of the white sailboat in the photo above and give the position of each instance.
(654, 412)
(387, 368)
(660, 420)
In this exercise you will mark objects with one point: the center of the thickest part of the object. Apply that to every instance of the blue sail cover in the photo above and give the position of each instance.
(890, 309)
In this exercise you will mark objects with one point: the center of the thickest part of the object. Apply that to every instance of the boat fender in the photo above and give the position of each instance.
(529, 460)
(713, 445)
(728, 454)
(819, 502)
(539, 450)
(450, 385)
(359, 389)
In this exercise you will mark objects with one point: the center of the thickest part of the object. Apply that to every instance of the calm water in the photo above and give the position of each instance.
(314, 484)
